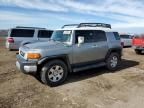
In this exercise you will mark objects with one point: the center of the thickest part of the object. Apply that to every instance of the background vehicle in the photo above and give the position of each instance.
(138, 44)
(89, 45)
(29, 34)
(126, 40)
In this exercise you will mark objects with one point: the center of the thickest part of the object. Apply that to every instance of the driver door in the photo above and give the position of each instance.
(92, 50)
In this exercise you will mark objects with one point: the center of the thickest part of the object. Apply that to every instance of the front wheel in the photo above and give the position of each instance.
(54, 73)
(113, 61)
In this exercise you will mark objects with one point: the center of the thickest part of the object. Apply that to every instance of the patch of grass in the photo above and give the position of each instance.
(2, 42)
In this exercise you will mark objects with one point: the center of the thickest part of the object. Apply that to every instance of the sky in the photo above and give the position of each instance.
(126, 16)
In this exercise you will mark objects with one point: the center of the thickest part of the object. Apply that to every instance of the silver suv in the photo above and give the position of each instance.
(26, 34)
(71, 49)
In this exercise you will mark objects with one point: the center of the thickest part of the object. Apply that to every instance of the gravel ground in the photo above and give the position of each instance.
(95, 88)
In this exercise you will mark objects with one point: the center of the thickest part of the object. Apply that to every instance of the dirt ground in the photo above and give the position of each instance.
(96, 88)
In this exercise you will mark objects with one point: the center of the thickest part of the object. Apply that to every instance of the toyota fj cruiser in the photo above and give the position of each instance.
(71, 49)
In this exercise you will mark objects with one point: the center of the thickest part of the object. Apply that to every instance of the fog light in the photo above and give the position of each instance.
(30, 68)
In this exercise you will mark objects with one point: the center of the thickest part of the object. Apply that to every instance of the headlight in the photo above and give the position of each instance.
(33, 56)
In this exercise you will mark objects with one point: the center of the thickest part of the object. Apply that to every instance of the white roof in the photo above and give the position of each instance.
(32, 28)
(88, 28)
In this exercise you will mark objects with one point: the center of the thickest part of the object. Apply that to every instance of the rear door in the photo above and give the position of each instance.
(20, 35)
(44, 35)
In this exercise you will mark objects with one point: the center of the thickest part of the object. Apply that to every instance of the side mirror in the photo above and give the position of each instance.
(80, 40)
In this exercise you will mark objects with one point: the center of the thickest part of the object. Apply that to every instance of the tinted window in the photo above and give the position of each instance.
(117, 37)
(100, 36)
(22, 33)
(91, 35)
(44, 34)
(125, 36)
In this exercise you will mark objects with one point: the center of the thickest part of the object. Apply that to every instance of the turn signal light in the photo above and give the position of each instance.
(33, 56)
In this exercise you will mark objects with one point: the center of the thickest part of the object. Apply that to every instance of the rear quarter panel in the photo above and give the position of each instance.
(112, 42)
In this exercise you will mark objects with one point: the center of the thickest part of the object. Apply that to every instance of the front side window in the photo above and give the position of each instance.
(87, 34)
(22, 33)
(44, 34)
(62, 35)
(100, 36)
(91, 35)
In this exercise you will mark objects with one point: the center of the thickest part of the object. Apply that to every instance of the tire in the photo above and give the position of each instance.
(54, 73)
(138, 51)
(113, 61)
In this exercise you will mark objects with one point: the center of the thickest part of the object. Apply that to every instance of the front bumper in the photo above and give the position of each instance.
(26, 66)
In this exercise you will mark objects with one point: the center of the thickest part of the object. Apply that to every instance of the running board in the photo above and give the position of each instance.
(89, 67)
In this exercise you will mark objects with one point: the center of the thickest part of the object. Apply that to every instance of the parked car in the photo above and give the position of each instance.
(138, 44)
(89, 45)
(126, 40)
(29, 34)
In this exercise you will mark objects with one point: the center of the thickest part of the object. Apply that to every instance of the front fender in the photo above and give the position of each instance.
(64, 58)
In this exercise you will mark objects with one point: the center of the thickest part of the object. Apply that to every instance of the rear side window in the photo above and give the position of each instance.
(91, 35)
(117, 37)
(22, 33)
(125, 36)
(44, 34)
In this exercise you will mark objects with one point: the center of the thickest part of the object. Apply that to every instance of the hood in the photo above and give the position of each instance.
(30, 41)
(45, 45)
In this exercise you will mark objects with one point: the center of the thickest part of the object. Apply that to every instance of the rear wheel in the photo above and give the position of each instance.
(113, 61)
(54, 73)
(138, 51)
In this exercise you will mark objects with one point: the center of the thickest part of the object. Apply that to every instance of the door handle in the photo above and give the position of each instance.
(94, 46)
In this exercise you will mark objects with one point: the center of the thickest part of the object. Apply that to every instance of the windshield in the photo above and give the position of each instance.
(62, 35)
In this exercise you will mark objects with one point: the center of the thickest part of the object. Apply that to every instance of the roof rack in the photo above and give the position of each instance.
(29, 27)
(70, 25)
(94, 25)
(89, 25)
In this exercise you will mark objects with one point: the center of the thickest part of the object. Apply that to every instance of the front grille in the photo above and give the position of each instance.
(22, 53)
